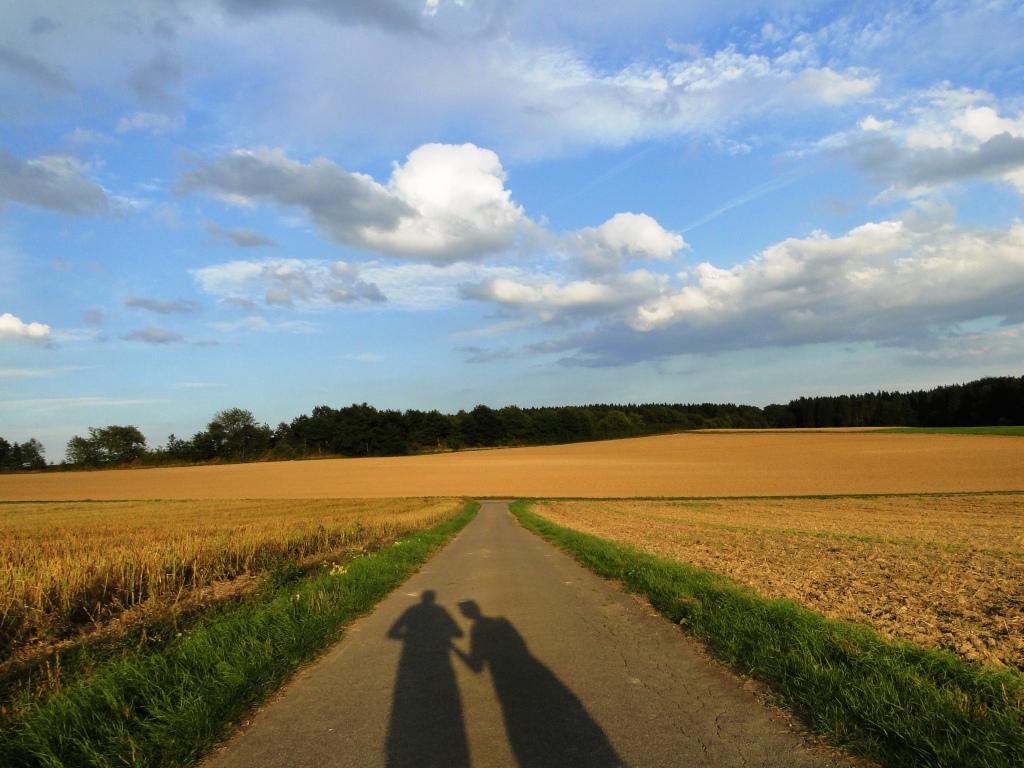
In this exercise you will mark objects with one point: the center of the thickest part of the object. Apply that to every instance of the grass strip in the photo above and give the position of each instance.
(165, 708)
(893, 702)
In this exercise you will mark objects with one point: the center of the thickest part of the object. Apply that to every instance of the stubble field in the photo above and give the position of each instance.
(68, 568)
(755, 463)
(940, 571)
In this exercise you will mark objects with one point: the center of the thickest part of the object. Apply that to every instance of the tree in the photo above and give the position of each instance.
(114, 444)
(119, 444)
(32, 455)
(236, 434)
(82, 452)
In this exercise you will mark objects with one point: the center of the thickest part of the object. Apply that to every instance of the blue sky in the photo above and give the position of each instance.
(280, 204)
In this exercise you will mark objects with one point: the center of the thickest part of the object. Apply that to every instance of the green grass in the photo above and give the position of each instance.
(166, 706)
(893, 702)
(1012, 431)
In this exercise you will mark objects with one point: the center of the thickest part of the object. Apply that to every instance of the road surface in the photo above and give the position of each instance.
(503, 651)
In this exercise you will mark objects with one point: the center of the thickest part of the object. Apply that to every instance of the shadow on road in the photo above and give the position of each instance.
(546, 724)
(426, 727)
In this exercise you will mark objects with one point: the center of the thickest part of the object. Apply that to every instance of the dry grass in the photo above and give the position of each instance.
(939, 571)
(689, 464)
(68, 566)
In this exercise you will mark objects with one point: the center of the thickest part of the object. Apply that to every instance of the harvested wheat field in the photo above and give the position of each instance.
(941, 571)
(688, 464)
(68, 567)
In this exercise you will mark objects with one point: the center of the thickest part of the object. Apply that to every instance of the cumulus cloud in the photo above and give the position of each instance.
(902, 282)
(623, 237)
(444, 204)
(36, 70)
(552, 300)
(14, 328)
(243, 238)
(161, 307)
(946, 136)
(153, 335)
(55, 182)
(885, 282)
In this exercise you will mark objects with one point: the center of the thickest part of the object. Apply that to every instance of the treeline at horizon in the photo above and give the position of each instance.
(235, 435)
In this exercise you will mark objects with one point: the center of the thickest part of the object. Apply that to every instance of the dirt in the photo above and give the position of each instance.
(945, 572)
(688, 464)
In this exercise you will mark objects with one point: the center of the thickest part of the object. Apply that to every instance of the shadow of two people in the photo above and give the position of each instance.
(545, 722)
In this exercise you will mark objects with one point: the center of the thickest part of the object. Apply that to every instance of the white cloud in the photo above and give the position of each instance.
(464, 210)
(555, 300)
(878, 281)
(624, 236)
(943, 136)
(445, 203)
(555, 99)
(901, 282)
(526, 94)
(12, 327)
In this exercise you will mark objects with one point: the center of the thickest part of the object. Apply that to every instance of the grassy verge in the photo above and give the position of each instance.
(1012, 431)
(165, 706)
(892, 702)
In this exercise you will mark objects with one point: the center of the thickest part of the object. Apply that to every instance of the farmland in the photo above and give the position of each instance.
(940, 571)
(66, 568)
(687, 464)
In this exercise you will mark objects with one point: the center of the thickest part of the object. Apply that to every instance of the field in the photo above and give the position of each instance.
(687, 464)
(940, 571)
(66, 568)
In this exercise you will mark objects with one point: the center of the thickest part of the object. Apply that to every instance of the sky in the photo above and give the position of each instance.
(277, 204)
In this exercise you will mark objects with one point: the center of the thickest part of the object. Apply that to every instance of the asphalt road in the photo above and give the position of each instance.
(502, 651)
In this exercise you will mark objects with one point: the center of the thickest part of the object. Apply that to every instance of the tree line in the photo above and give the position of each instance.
(363, 430)
(19, 456)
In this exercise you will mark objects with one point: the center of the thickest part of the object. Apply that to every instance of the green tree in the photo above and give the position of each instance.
(118, 444)
(236, 434)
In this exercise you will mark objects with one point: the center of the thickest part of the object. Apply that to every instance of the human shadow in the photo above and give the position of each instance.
(546, 724)
(426, 727)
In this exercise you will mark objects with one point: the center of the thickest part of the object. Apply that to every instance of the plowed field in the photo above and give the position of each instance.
(941, 571)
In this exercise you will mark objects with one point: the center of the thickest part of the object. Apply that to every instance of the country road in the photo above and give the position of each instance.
(502, 651)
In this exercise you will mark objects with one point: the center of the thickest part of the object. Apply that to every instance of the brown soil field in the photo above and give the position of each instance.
(66, 568)
(688, 464)
(940, 571)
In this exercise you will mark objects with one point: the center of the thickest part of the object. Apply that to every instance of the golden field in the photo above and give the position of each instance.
(65, 567)
(755, 463)
(940, 571)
